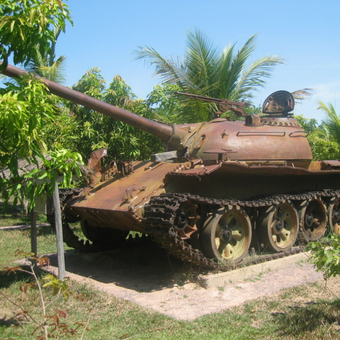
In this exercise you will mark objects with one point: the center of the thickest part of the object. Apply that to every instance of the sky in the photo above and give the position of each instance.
(305, 33)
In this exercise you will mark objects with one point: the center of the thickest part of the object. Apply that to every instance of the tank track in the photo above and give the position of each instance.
(160, 216)
(159, 221)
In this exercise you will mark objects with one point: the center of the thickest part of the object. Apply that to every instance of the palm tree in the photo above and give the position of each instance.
(332, 122)
(48, 65)
(205, 71)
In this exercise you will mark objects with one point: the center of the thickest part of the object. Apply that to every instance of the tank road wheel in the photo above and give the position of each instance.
(313, 219)
(279, 226)
(227, 235)
(103, 236)
(334, 215)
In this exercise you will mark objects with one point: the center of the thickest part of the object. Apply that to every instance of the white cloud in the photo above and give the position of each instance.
(327, 92)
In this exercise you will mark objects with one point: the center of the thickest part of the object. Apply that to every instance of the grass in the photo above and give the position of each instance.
(13, 216)
(292, 314)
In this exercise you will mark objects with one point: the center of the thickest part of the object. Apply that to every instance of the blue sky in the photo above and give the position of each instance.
(306, 33)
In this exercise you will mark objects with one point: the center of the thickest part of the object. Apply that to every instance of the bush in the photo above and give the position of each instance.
(325, 255)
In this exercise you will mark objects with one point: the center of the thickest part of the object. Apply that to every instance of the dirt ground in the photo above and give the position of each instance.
(145, 275)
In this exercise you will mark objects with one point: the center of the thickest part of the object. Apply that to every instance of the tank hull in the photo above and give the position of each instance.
(119, 203)
(232, 180)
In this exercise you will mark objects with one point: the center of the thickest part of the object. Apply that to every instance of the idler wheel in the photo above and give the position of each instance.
(313, 219)
(103, 236)
(227, 235)
(279, 226)
(334, 215)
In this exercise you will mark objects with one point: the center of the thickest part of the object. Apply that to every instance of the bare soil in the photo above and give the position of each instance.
(146, 275)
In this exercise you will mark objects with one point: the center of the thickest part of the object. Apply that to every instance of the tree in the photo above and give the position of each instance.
(26, 28)
(92, 130)
(322, 146)
(164, 102)
(205, 71)
(47, 65)
(332, 123)
(25, 107)
(23, 110)
(125, 140)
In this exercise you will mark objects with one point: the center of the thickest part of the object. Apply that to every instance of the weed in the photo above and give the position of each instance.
(45, 324)
(301, 263)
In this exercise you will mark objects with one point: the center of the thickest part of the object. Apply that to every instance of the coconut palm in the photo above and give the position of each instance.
(206, 71)
(332, 123)
(48, 65)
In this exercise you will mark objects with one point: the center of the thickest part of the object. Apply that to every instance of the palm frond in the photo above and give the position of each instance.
(229, 85)
(45, 63)
(300, 95)
(53, 72)
(166, 68)
(200, 59)
(255, 75)
(332, 122)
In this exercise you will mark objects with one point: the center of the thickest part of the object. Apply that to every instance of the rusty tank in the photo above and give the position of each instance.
(220, 189)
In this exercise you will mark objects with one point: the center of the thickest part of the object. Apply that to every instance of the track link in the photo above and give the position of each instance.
(160, 215)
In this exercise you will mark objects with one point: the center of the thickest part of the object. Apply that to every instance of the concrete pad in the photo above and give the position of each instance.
(250, 272)
(141, 284)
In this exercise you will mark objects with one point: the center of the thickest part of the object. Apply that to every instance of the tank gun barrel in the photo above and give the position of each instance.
(162, 131)
(223, 104)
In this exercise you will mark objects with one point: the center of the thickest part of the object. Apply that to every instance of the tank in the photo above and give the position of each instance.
(221, 188)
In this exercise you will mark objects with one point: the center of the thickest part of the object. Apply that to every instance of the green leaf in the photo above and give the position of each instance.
(12, 26)
(43, 175)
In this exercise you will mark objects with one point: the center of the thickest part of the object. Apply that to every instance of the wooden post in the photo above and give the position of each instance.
(59, 232)
(34, 248)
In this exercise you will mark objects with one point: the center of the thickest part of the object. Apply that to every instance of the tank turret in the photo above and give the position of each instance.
(275, 136)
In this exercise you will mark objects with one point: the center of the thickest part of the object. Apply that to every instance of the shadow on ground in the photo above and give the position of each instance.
(7, 278)
(144, 267)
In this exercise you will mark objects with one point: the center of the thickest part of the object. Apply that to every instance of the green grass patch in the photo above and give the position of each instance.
(13, 216)
(293, 314)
